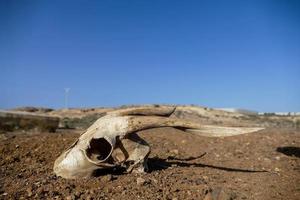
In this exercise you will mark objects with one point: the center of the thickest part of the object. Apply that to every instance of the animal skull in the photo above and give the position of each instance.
(112, 140)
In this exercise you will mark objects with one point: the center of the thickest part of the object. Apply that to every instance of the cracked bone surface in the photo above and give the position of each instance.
(112, 140)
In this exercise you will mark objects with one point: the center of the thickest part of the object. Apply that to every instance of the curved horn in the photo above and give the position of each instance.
(138, 123)
(146, 111)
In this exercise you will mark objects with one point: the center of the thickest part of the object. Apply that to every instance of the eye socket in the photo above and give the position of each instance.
(99, 150)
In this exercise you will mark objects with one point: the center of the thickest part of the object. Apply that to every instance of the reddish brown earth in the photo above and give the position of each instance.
(263, 165)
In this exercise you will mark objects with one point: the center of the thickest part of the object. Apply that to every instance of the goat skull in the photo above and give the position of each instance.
(112, 141)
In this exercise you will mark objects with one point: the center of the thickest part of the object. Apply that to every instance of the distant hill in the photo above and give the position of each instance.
(83, 117)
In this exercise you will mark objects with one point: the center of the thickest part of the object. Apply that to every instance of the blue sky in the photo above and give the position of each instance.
(243, 54)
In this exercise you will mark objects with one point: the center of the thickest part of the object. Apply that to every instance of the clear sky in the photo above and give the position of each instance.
(243, 54)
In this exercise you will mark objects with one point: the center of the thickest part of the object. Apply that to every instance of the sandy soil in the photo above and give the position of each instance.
(263, 165)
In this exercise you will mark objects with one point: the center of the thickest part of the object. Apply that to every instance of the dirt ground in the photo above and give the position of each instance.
(263, 165)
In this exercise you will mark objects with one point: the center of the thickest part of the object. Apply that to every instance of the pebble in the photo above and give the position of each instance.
(3, 137)
(69, 197)
(199, 181)
(108, 178)
(108, 190)
(277, 169)
(140, 181)
(174, 151)
(78, 193)
(38, 184)
(154, 180)
(29, 192)
(88, 197)
(205, 178)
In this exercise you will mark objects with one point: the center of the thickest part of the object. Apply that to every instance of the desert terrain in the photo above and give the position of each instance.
(263, 165)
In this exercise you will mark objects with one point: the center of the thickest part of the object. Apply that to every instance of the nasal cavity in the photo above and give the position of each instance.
(99, 150)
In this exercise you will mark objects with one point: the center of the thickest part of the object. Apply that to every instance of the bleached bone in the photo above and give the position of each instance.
(112, 140)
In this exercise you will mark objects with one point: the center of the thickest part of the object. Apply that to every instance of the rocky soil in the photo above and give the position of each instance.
(263, 165)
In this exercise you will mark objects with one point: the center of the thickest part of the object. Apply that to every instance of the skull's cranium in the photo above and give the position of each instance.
(112, 140)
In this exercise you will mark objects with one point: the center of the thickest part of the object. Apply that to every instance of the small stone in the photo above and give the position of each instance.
(108, 190)
(238, 151)
(20, 175)
(277, 157)
(154, 180)
(199, 181)
(277, 169)
(3, 137)
(88, 197)
(174, 151)
(140, 181)
(69, 197)
(78, 193)
(119, 188)
(17, 146)
(108, 178)
(29, 192)
(205, 178)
